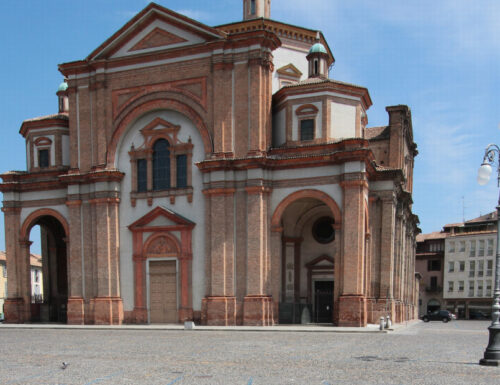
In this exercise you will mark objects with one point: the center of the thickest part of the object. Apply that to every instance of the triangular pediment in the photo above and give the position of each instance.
(289, 70)
(161, 217)
(322, 261)
(153, 29)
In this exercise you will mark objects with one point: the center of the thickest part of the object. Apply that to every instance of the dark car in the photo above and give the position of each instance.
(439, 315)
(477, 314)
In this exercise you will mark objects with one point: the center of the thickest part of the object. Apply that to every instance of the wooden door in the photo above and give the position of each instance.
(163, 292)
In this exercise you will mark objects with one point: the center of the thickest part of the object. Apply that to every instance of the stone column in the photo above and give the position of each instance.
(352, 302)
(76, 310)
(257, 303)
(220, 303)
(14, 306)
(108, 307)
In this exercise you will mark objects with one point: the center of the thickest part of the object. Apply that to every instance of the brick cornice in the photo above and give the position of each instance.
(257, 190)
(219, 191)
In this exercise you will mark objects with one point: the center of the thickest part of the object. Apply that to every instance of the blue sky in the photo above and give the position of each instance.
(441, 58)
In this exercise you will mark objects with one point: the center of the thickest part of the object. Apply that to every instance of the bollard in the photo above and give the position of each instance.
(388, 322)
(381, 323)
(189, 325)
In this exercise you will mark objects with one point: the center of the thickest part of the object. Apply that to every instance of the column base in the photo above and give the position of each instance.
(492, 352)
(15, 311)
(107, 310)
(258, 310)
(352, 311)
(219, 311)
(185, 314)
(75, 311)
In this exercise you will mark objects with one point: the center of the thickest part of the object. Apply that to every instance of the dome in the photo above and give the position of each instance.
(63, 86)
(318, 48)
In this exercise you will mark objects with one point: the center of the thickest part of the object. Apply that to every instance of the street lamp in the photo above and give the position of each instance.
(492, 352)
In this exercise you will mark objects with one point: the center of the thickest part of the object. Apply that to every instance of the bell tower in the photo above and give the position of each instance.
(255, 9)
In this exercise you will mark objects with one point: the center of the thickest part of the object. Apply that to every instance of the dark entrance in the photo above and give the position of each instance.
(53, 304)
(323, 301)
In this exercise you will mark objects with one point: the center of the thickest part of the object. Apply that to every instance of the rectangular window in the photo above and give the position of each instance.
(307, 129)
(490, 247)
(4, 271)
(480, 268)
(142, 175)
(462, 246)
(433, 265)
(252, 7)
(489, 268)
(43, 158)
(488, 289)
(479, 288)
(462, 265)
(451, 247)
(471, 288)
(481, 248)
(451, 267)
(472, 251)
(181, 171)
(450, 285)
(434, 282)
(460, 285)
(472, 268)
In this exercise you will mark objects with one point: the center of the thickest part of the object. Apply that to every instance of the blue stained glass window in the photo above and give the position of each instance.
(161, 165)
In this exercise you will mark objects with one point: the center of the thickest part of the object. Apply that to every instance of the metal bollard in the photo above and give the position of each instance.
(388, 322)
(382, 323)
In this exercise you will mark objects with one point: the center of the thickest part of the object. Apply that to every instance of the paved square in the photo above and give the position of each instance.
(433, 353)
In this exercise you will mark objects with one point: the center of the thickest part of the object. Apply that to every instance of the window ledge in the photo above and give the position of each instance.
(171, 193)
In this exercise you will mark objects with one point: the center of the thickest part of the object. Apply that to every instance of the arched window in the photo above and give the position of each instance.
(161, 165)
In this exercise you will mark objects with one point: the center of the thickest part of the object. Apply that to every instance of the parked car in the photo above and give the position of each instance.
(439, 315)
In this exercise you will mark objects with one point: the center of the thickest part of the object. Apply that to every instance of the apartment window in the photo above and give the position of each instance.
(472, 268)
(43, 158)
(488, 289)
(451, 267)
(479, 288)
(461, 286)
(462, 246)
(450, 285)
(37, 276)
(490, 247)
(307, 129)
(489, 267)
(472, 251)
(434, 282)
(461, 265)
(433, 265)
(4, 271)
(471, 288)
(451, 247)
(481, 248)
(480, 268)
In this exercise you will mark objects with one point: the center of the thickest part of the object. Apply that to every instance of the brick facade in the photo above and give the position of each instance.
(265, 227)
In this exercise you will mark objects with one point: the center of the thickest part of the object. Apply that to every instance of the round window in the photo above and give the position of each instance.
(323, 231)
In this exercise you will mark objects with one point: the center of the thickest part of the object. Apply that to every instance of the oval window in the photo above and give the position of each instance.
(323, 231)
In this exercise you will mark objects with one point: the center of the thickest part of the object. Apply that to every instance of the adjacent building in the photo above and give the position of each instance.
(215, 174)
(3, 282)
(469, 266)
(429, 263)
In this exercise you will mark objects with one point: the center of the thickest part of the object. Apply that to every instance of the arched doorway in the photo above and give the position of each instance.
(310, 223)
(49, 277)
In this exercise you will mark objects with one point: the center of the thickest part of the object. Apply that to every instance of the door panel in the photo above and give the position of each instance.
(163, 292)
(323, 301)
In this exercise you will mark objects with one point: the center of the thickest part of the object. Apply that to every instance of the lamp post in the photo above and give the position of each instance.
(492, 352)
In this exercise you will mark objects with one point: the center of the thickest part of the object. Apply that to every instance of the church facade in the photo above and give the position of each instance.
(214, 174)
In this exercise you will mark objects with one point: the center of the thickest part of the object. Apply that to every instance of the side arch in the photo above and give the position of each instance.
(30, 221)
(157, 104)
(309, 193)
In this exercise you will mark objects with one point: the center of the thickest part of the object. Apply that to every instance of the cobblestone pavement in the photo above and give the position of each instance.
(430, 353)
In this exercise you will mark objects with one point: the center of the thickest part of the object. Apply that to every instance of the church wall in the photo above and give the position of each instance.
(193, 211)
(343, 121)
(286, 54)
(279, 128)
